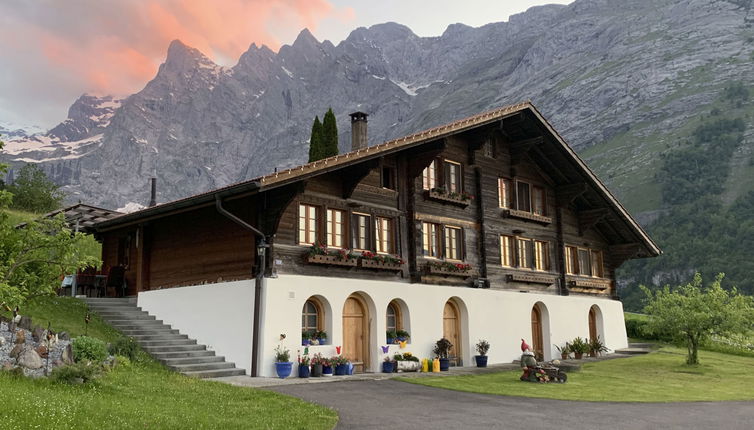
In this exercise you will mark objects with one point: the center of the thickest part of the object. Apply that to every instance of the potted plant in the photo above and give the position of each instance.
(340, 364)
(322, 337)
(402, 335)
(387, 365)
(283, 366)
(303, 366)
(579, 347)
(596, 347)
(441, 350)
(326, 367)
(316, 365)
(407, 362)
(391, 335)
(482, 347)
(306, 337)
(564, 351)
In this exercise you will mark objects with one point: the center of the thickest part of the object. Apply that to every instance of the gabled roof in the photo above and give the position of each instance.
(276, 179)
(82, 217)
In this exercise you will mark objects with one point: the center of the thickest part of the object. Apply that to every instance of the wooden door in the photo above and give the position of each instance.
(451, 330)
(536, 333)
(592, 324)
(355, 333)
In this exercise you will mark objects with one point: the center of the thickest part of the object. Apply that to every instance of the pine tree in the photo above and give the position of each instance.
(316, 143)
(330, 134)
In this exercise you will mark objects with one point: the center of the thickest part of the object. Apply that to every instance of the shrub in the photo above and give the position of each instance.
(77, 373)
(89, 349)
(125, 346)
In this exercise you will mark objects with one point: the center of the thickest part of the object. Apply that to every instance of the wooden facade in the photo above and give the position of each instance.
(432, 199)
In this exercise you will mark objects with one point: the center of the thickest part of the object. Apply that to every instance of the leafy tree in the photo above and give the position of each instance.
(316, 143)
(330, 134)
(33, 258)
(691, 313)
(33, 191)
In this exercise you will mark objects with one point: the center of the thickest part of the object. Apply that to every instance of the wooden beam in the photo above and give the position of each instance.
(566, 194)
(142, 259)
(522, 147)
(588, 218)
(543, 158)
(621, 253)
(351, 176)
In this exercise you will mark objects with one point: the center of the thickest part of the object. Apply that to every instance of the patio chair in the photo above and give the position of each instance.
(116, 280)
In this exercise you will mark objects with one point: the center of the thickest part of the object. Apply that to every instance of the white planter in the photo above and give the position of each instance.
(408, 366)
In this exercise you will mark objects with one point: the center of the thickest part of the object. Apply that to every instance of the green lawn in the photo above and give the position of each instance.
(661, 376)
(143, 394)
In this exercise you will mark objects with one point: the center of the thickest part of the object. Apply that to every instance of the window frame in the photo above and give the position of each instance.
(303, 235)
(331, 225)
(507, 254)
(379, 232)
(397, 314)
(522, 254)
(356, 236)
(535, 192)
(429, 176)
(318, 313)
(504, 189)
(542, 259)
(431, 230)
(448, 167)
(447, 249)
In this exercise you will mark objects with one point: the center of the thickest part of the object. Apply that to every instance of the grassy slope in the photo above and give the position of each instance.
(143, 395)
(658, 377)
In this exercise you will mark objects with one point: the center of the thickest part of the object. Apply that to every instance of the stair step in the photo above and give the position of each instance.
(139, 315)
(633, 351)
(174, 348)
(183, 368)
(148, 337)
(192, 360)
(215, 373)
(155, 331)
(165, 342)
(138, 323)
(181, 354)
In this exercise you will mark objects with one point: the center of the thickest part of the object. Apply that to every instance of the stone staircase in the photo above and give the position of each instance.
(636, 349)
(165, 344)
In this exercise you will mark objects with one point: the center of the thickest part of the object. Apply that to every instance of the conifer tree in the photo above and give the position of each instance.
(330, 134)
(316, 143)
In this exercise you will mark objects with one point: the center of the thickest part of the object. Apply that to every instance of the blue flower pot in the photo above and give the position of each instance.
(481, 361)
(444, 364)
(322, 341)
(303, 371)
(390, 340)
(327, 370)
(283, 369)
(305, 342)
(387, 367)
(341, 369)
(349, 368)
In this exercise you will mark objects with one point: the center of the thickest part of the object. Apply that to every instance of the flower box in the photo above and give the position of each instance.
(591, 284)
(380, 265)
(452, 198)
(408, 366)
(331, 260)
(433, 269)
(526, 216)
(530, 278)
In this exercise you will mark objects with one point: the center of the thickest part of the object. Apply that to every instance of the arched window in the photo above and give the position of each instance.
(393, 317)
(311, 316)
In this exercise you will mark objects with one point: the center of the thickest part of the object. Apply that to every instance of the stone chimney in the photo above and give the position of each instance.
(358, 131)
(153, 197)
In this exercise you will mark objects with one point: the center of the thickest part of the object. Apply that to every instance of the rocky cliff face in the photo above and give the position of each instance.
(616, 78)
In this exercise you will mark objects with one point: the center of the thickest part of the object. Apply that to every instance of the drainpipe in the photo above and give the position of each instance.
(259, 280)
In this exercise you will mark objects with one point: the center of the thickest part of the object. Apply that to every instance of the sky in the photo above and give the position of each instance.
(52, 51)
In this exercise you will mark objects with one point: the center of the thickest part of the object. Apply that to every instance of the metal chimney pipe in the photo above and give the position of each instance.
(153, 198)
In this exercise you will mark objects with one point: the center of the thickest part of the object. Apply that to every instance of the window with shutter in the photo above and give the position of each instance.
(307, 224)
(360, 232)
(384, 235)
(507, 251)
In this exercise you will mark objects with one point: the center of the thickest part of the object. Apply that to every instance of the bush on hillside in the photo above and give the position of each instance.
(87, 348)
(125, 346)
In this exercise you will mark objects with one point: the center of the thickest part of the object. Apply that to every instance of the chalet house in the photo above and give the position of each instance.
(490, 227)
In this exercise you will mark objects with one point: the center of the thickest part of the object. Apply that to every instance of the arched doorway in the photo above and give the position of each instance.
(356, 332)
(536, 333)
(451, 330)
(592, 324)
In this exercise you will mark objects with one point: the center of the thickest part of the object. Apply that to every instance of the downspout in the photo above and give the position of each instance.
(259, 279)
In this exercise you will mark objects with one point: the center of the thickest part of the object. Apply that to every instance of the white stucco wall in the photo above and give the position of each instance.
(220, 316)
(501, 317)
(216, 315)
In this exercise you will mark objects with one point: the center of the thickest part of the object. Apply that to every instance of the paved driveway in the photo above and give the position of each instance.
(391, 405)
